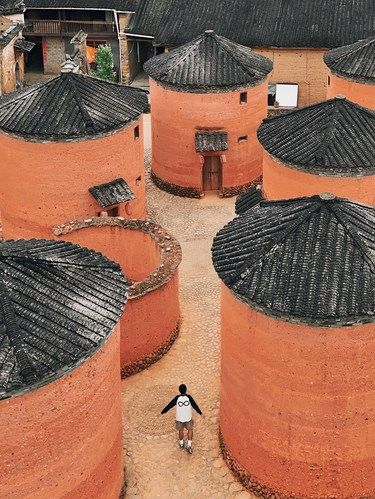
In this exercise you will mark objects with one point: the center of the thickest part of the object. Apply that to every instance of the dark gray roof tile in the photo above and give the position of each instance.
(356, 61)
(58, 304)
(249, 199)
(24, 45)
(209, 63)
(9, 7)
(112, 193)
(71, 106)
(305, 260)
(208, 141)
(334, 137)
(119, 5)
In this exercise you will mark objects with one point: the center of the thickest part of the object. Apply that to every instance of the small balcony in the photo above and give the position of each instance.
(68, 28)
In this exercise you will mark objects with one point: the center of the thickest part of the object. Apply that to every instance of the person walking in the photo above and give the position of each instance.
(184, 404)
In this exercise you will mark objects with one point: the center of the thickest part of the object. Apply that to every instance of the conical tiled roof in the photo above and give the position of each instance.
(59, 303)
(355, 61)
(334, 137)
(71, 106)
(209, 63)
(304, 260)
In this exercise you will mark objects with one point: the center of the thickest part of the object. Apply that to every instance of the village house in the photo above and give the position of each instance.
(60, 406)
(51, 24)
(208, 98)
(294, 35)
(297, 348)
(12, 45)
(352, 72)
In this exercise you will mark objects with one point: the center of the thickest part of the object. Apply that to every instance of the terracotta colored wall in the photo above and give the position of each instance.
(303, 66)
(65, 439)
(135, 251)
(44, 184)
(361, 94)
(176, 116)
(297, 403)
(150, 320)
(280, 182)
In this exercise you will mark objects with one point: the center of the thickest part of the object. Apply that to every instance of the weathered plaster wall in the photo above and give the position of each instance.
(281, 182)
(360, 93)
(47, 183)
(303, 66)
(8, 60)
(65, 439)
(297, 406)
(176, 116)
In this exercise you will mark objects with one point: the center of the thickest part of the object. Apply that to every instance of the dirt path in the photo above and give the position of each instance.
(155, 467)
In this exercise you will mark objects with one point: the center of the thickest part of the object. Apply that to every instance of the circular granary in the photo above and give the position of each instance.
(208, 97)
(329, 146)
(297, 406)
(352, 72)
(149, 257)
(60, 406)
(70, 148)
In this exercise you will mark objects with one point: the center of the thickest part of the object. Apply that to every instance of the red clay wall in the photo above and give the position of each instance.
(361, 94)
(297, 403)
(176, 116)
(151, 319)
(47, 183)
(65, 439)
(281, 182)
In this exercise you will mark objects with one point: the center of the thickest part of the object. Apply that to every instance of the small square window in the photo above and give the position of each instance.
(329, 81)
(243, 98)
(138, 180)
(242, 139)
(113, 212)
(136, 133)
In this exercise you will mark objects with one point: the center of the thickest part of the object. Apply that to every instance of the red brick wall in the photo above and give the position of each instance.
(297, 403)
(47, 183)
(65, 439)
(176, 116)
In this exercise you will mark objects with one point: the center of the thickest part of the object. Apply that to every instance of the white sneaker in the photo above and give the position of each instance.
(189, 448)
(181, 445)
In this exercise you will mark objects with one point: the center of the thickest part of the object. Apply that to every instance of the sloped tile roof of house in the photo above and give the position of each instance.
(112, 193)
(355, 61)
(208, 141)
(118, 5)
(208, 63)
(334, 137)
(257, 23)
(71, 106)
(58, 304)
(8, 7)
(307, 260)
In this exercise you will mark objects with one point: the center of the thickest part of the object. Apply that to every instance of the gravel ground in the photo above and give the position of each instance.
(155, 466)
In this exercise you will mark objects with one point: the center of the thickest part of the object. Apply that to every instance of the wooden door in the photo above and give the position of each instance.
(212, 173)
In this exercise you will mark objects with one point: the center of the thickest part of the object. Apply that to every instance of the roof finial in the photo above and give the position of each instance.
(209, 31)
(327, 196)
(340, 96)
(69, 65)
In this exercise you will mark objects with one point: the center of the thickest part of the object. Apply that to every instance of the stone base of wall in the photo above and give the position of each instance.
(177, 190)
(248, 481)
(229, 192)
(141, 364)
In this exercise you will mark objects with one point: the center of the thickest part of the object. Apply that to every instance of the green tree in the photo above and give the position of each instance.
(104, 63)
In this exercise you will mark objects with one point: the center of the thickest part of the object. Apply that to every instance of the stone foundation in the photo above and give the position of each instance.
(229, 192)
(177, 190)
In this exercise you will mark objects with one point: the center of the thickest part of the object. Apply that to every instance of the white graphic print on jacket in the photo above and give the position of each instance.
(184, 412)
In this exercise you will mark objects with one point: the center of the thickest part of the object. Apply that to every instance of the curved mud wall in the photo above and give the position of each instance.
(360, 93)
(176, 116)
(297, 411)
(282, 182)
(65, 439)
(44, 184)
(150, 257)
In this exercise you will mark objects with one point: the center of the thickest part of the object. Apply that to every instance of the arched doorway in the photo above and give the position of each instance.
(17, 75)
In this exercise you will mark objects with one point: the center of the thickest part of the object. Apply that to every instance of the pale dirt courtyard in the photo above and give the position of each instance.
(155, 466)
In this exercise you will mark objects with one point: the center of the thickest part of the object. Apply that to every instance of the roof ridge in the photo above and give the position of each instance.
(190, 46)
(310, 210)
(12, 332)
(233, 55)
(357, 240)
(78, 98)
(321, 152)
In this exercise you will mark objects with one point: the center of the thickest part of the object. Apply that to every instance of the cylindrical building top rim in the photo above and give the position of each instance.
(59, 304)
(333, 138)
(307, 260)
(71, 107)
(209, 64)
